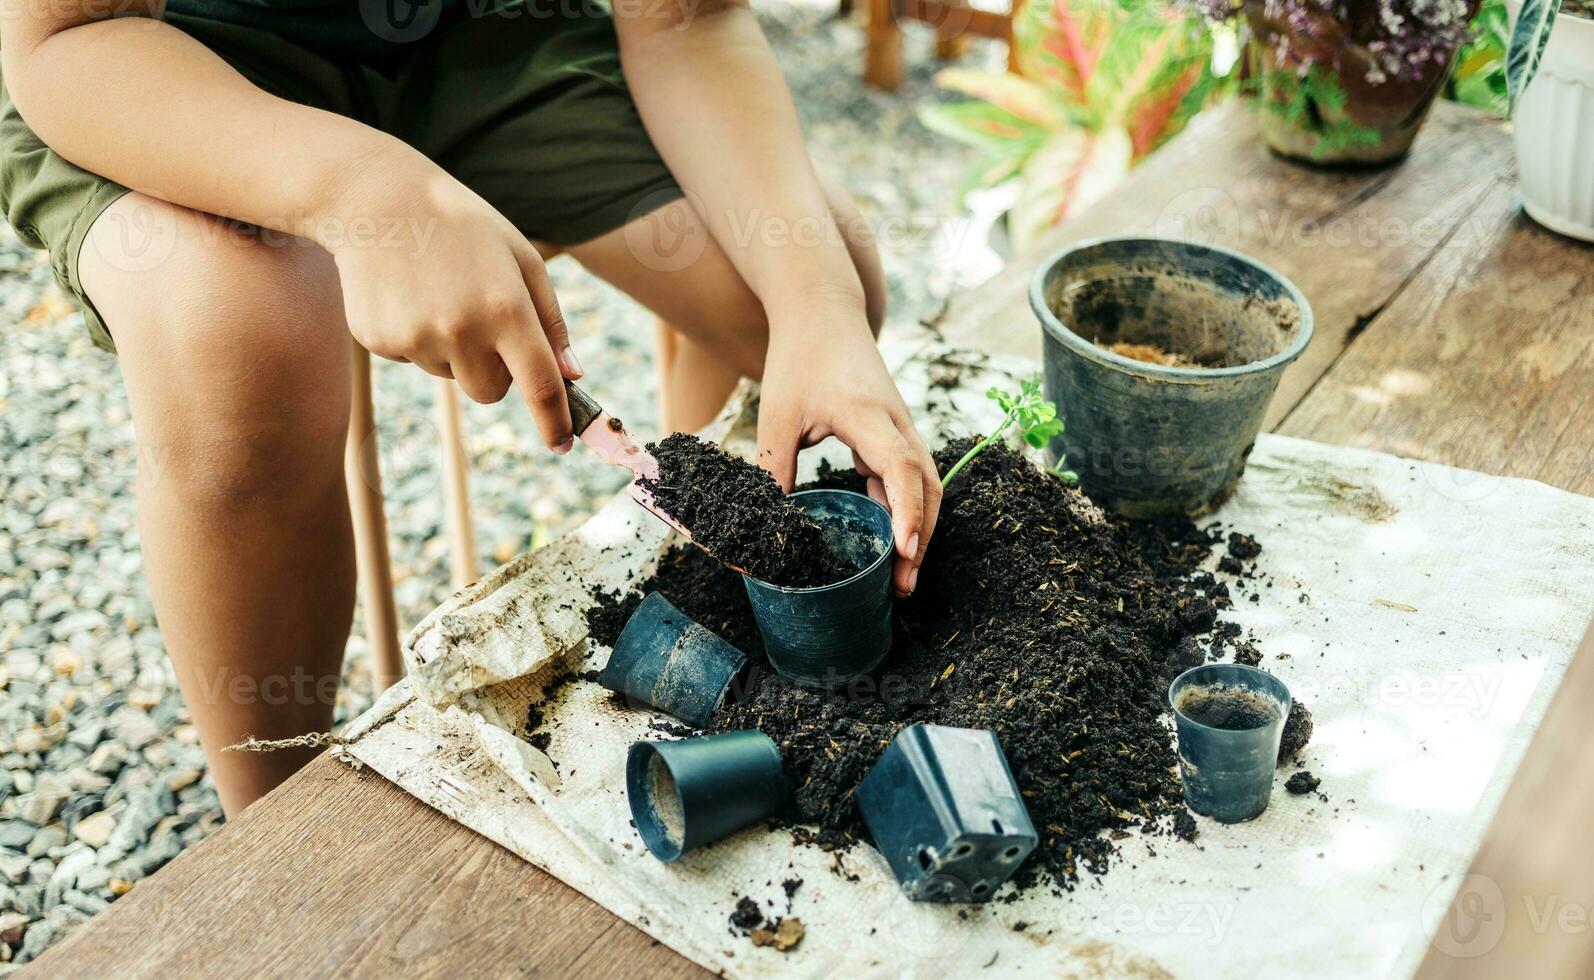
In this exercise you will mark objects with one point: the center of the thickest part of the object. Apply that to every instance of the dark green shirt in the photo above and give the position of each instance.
(379, 32)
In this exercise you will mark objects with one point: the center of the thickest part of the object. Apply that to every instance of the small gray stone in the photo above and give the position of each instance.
(13, 866)
(95, 829)
(40, 806)
(85, 902)
(65, 875)
(133, 728)
(29, 900)
(46, 839)
(107, 758)
(94, 878)
(16, 834)
(146, 805)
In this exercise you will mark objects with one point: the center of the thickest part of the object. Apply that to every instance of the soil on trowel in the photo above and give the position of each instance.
(738, 513)
(1234, 709)
(1036, 616)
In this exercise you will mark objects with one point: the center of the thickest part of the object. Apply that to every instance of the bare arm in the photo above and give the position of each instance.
(140, 102)
(715, 104)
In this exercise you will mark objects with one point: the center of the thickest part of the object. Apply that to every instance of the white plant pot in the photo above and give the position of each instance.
(1554, 130)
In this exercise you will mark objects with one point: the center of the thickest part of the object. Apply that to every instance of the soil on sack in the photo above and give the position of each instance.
(1036, 616)
(738, 512)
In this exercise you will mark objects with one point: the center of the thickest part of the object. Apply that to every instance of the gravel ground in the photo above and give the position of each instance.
(101, 777)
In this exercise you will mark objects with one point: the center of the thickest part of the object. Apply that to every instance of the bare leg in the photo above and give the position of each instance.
(236, 359)
(720, 329)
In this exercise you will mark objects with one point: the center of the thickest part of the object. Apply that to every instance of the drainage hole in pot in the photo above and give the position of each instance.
(996, 825)
(962, 850)
(980, 889)
(1011, 853)
(924, 858)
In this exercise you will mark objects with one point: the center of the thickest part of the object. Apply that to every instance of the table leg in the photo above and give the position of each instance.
(883, 58)
(463, 569)
(363, 474)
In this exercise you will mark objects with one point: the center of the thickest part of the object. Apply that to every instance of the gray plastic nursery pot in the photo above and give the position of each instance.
(943, 808)
(1230, 718)
(826, 635)
(1154, 439)
(666, 660)
(687, 793)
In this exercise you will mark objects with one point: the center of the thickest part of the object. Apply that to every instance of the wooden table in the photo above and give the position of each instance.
(1449, 327)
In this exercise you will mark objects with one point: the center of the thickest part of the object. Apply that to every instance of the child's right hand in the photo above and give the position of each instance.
(461, 293)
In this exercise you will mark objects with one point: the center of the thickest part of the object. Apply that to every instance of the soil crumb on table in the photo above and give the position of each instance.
(1302, 782)
(747, 916)
(738, 512)
(1035, 618)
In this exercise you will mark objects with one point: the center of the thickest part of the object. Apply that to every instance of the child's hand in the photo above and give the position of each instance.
(463, 295)
(828, 379)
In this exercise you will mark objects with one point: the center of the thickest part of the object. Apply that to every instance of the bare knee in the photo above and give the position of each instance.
(236, 359)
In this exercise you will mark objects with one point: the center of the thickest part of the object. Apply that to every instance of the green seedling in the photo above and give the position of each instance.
(1034, 417)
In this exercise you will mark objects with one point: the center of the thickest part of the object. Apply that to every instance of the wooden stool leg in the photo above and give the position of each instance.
(363, 474)
(1012, 49)
(883, 57)
(667, 349)
(456, 486)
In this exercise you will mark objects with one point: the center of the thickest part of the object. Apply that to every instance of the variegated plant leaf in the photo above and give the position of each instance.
(1023, 98)
(1528, 39)
(977, 124)
(1072, 170)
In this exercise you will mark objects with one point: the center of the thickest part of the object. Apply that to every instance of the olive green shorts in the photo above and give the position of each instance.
(529, 111)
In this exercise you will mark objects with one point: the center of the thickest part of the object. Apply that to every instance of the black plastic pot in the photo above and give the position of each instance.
(685, 794)
(943, 808)
(827, 635)
(666, 660)
(1228, 772)
(1148, 438)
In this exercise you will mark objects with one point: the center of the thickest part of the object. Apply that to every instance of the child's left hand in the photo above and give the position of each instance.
(827, 379)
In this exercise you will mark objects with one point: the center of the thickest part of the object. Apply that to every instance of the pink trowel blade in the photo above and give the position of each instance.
(605, 435)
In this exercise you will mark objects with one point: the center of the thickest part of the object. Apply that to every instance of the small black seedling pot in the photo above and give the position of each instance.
(1228, 771)
(666, 660)
(685, 794)
(1148, 438)
(944, 810)
(826, 635)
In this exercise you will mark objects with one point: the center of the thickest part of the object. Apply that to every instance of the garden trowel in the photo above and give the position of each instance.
(605, 435)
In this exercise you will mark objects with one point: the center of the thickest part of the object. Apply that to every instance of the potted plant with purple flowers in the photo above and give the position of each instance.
(1347, 81)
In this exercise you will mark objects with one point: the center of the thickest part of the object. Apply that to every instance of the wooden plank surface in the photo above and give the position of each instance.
(342, 872)
(1449, 328)
(1485, 360)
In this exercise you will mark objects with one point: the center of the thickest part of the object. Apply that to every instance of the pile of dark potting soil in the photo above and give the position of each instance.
(738, 512)
(1036, 616)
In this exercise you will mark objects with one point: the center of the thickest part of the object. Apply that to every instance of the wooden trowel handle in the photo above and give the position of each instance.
(583, 409)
